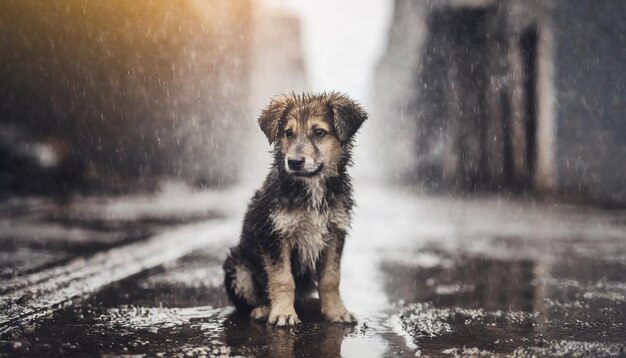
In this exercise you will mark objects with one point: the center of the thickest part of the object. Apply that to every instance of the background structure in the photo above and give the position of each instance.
(489, 176)
(507, 95)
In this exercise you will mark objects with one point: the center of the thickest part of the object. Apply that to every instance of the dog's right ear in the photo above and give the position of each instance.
(271, 117)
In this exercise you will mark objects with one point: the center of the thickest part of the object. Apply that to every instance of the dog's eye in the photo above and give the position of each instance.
(319, 133)
(289, 133)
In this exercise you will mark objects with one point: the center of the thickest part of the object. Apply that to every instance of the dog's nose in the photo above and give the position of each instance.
(295, 164)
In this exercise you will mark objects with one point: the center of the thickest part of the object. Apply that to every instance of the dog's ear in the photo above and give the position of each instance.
(272, 115)
(347, 116)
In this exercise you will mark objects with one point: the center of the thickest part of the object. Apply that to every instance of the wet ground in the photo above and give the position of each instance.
(425, 276)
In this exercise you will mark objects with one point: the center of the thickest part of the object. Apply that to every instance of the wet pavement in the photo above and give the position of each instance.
(36, 233)
(425, 276)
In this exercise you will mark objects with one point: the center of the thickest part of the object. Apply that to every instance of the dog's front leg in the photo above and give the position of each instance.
(329, 275)
(281, 289)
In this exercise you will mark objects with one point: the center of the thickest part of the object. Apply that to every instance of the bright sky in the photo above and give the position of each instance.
(343, 41)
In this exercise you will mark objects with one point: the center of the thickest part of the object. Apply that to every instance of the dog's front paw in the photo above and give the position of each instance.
(282, 318)
(340, 315)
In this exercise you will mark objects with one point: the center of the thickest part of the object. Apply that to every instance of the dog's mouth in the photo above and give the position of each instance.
(309, 174)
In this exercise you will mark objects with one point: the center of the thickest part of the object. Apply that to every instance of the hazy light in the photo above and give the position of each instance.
(343, 41)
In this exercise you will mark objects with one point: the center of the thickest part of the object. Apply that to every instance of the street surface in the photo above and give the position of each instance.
(435, 276)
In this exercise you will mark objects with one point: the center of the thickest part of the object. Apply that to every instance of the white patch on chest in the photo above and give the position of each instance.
(316, 190)
(307, 230)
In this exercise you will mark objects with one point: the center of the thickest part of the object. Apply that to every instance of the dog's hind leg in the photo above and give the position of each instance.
(239, 283)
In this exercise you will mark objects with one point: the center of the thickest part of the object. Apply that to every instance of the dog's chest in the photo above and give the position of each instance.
(308, 231)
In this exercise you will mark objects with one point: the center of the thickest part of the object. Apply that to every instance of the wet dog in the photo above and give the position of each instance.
(296, 224)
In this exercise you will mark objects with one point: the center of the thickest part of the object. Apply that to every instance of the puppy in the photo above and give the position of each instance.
(296, 224)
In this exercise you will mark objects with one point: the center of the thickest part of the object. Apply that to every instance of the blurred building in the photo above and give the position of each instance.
(507, 95)
(277, 66)
(104, 94)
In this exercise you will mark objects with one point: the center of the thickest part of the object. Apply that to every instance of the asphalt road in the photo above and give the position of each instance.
(141, 276)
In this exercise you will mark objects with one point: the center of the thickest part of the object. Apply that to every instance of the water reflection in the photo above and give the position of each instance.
(469, 282)
(510, 304)
(311, 339)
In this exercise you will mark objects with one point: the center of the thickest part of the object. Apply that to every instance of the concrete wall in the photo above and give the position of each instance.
(393, 113)
(590, 83)
(506, 95)
(277, 66)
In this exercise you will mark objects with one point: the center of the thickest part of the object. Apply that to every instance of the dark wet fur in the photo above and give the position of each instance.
(259, 239)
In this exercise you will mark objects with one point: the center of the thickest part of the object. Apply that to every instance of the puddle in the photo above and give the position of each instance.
(483, 305)
(550, 293)
(38, 233)
(194, 280)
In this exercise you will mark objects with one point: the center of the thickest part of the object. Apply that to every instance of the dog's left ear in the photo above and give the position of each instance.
(347, 116)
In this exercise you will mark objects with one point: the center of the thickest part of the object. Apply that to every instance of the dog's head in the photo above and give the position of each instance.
(312, 133)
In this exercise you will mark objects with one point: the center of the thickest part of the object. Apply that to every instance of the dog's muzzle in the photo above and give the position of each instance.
(304, 173)
(298, 170)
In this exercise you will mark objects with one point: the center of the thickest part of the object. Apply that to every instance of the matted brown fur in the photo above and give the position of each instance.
(296, 224)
